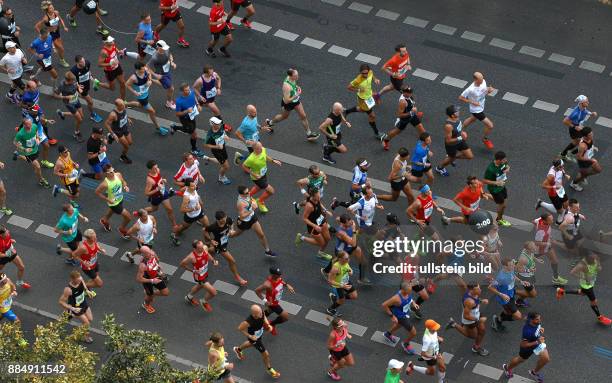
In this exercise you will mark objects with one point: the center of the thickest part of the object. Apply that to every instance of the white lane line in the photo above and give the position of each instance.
(593, 67)
(445, 29)
(110, 250)
(547, 106)
(389, 15)
(568, 112)
(185, 4)
(171, 357)
(561, 59)
(488, 371)
(425, 74)
(603, 121)
(21, 222)
(456, 82)
(416, 22)
(316, 44)
(378, 337)
(325, 319)
(283, 34)
(337, 3)
(344, 52)
(515, 98)
(519, 379)
(473, 36)
(367, 58)
(447, 357)
(204, 10)
(359, 7)
(225, 287)
(291, 308)
(503, 44)
(46, 230)
(531, 51)
(259, 27)
(187, 276)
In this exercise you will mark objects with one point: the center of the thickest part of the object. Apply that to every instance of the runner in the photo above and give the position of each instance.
(139, 84)
(161, 63)
(118, 126)
(339, 280)
(407, 113)
(503, 286)
(543, 240)
(197, 263)
(364, 210)
(475, 95)
(218, 26)
(587, 165)
(217, 237)
(3, 209)
(290, 101)
(339, 354)
(170, 12)
(250, 11)
(273, 288)
(256, 165)
(145, 40)
(360, 180)
(247, 218)
(468, 200)
(12, 31)
(69, 91)
(192, 209)
(248, 132)
(190, 169)
(7, 292)
(315, 217)
(109, 61)
(394, 371)
(215, 141)
(42, 48)
(53, 22)
(209, 85)
(421, 160)
(398, 307)
(111, 190)
(574, 121)
(586, 271)
(68, 172)
(27, 143)
(454, 258)
(430, 352)
(41, 124)
(74, 301)
(96, 154)
(455, 140)
(570, 228)
(152, 279)
(472, 323)
(89, 7)
(143, 231)
(531, 343)
(399, 178)
(421, 210)
(68, 228)
(187, 108)
(316, 179)
(362, 85)
(331, 128)
(493, 246)
(346, 242)
(253, 328)
(495, 178)
(12, 63)
(218, 367)
(82, 71)
(396, 67)
(158, 193)
(87, 254)
(556, 192)
(526, 269)
(8, 254)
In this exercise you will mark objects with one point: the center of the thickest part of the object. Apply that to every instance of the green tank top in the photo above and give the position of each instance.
(587, 279)
(218, 368)
(315, 182)
(391, 377)
(342, 277)
(114, 191)
(294, 88)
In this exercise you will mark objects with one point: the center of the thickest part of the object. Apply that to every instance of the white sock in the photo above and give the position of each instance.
(549, 207)
(132, 55)
(441, 376)
(420, 369)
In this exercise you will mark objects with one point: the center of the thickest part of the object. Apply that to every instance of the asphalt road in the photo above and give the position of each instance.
(531, 137)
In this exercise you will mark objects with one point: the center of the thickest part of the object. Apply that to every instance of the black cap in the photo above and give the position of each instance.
(275, 271)
(97, 129)
(452, 109)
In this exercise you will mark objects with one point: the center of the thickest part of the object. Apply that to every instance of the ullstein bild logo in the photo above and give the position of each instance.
(412, 248)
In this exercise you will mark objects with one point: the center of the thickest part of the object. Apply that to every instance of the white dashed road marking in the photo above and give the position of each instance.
(593, 67)
(531, 51)
(387, 14)
(344, 52)
(110, 250)
(603, 121)
(225, 287)
(422, 73)
(488, 371)
(504, 44)
(445, 29)
(337, 3)
(515, 98)
(259, 27)
(367, 58)
(473, 36)
(46, 230)
(561, 59)
(313, 43)
(185, 4)
(547, 106)
(416, 22)
(21, 222)
(286, 35)
(359, 7)
(456, 82)
(378, 337)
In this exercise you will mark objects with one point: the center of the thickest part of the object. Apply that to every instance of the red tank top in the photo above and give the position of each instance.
(216, 13)
(543, 230)
(340, 341)
(111, 54)
(89, 260)
(274, 295)
(424, 213)
(200, 266)
(5, 242)
(156, 180)
(151, 268)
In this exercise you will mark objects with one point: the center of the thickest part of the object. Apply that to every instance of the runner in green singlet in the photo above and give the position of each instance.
(394, 371)
(339, 280)
(315, 179)
(27, 143)
(111, 190)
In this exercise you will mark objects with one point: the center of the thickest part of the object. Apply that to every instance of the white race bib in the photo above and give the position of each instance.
(220, 140)
(149, 50)
(502, 177)
(166, 67)
(194, 113)
(590, 153)
(428, 211)
(224, 240)
(46, 61)
(320, 219)
(143, 89)
(84, 77)
(211, 93)
(370, 102)
(101, 156)
(475, 205)
(259, 333)
(561, 192)
(91, 4)
(263, 171)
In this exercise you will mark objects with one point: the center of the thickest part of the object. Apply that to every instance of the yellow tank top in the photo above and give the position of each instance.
(219, 367)
(69, 169)
(6, 299)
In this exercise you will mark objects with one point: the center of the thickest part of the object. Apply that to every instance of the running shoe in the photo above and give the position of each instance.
(450, 324)
(105, 225)
(75, 205)
(238, 353)
(262, 207)
(125, 159)
(197, 153)
(312, 136)
(23, 284)
(417, 313)
(246, 23)
(95, 117)
(298, 239)
(102, 11)
(162, 131)
(496, 324)
(273, 373)
(58, 249)
(332, 312)
(390, 337)
(269, 124)
(78, 137)
(237, 158)
(604, 320)
(55, 190)
(334, 203)
(488, 143)
(296, 207)
(329, 160)
(441, 171)
(206, 306)
(64, 63)
(210, 52)
(71, 20)
(333, 375)
(576, 187)
(96, 84)
(102, 31)
(408, 349)
(271, 254)
(503, 223)
(224, 180)
(228, 128)
(409, 368)
(324, 255)
(175, 240)
(324, 274)
(183, 43)
(52, 141)
(71, 262)
(170, 105)
(129, 256)
(123, 233)
(507, 371)
(60, 114)
(559, 281)
(385, 145)
(46, 164)
(224, 52)
(44, 183)
(538, 203)
(6, 211)
(480, 351)
(191, 301)
(148, 308)
(538, 375)
(445, 220)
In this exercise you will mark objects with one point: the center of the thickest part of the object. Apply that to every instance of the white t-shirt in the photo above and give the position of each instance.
(431, 346)
(365, 209)
(13, 62)
(478, 94)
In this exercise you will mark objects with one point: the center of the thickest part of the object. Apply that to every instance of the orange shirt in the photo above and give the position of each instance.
(470, 198)
(398, 65)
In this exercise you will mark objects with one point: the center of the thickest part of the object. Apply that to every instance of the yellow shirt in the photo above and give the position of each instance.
(6, 298)
(363, 85)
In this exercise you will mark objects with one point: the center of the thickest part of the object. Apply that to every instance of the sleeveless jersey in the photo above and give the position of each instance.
(340, 339)
(403, 310)
(475, 311)
(208, 90)
(342, 245)
(200, 266)
(152, 269)
(316, 216)
(425, 211)
(111, 57)
(274, 295)
(90, 259)
(145, 231)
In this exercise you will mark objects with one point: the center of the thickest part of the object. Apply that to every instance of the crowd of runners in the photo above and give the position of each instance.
(351, 230)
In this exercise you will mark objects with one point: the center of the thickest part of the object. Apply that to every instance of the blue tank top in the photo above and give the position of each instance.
(468, 296)
(420, 154)
(209, 89)
(504, 282)
(148, 32)
(403, 310)
(140, 85)
(341, 245)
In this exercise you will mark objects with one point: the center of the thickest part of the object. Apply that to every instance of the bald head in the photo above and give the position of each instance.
(257, 147)
(256, 311)
(478, 77)
(119, 103)
(337, 108)
(251, 110)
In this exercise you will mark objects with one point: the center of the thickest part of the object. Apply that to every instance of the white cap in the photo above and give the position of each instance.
(10, 44)
(162, 44)
(109, 39)
(394, 363)
(581, 98)
(215, 121)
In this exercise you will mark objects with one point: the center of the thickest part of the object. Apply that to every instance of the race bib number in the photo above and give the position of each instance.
(31, 143)
(6, 304)
(220, 140)
(501, 177)
(475, 205)
(263, 171)
(320, 219)
(79, 299)
(92, 261)
(123, 122)
(561, 192)
(370, 102)
(101, 156)
(74, 226)
(224, 240)
(84, 77)
(74, 98)
(194, 113)
(406, 309)
(46, 61)
(18, 71)
(345, 279)
(259, 333)
(149, 50)
(590, 153)
(202, 270)
(143, 89)
(211, 93)
(428, 212)
(166, 67)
